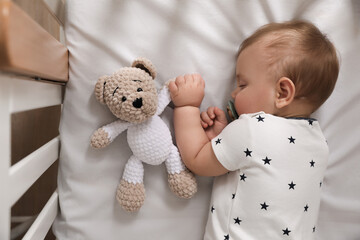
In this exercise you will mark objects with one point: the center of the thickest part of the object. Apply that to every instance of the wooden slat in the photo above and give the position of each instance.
(24, 173)
(27, 95)
(39, 12)
(57, 8)
(5, 133)
(43, 222)
(26, 48)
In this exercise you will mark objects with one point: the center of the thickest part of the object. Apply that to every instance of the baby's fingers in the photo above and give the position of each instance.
(173, 87)
(205, 118)
(220, 115)
(211, 112)
(204, 124)
(180, 80)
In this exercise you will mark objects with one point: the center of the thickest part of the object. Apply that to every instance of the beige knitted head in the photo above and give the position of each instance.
(130, 93)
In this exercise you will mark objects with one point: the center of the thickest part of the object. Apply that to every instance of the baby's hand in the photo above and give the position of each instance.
(187, 90)
(213, 121)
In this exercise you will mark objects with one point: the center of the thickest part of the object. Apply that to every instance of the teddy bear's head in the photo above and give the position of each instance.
(130, 93)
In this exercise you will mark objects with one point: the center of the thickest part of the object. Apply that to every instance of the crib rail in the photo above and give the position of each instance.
(44, 221)
(26, 48)
(33, 71)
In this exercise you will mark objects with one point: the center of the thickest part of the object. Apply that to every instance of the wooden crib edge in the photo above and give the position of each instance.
(27, 49)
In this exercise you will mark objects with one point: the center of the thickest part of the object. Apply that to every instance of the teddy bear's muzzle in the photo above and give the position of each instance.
(138, 103)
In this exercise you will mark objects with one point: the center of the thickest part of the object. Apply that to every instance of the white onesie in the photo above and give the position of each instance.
(273, 190)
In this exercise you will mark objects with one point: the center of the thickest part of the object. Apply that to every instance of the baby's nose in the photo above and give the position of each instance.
(138, 103)
(233, 94)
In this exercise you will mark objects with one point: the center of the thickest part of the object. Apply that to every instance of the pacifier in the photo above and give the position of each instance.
(232, 114)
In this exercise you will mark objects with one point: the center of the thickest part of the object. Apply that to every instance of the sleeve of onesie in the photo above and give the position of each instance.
(233, 146)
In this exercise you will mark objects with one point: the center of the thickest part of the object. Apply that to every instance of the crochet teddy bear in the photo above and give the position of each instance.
(131, 95)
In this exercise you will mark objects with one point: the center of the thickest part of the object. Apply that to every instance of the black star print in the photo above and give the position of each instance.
(320, 184)
(314, 228)
(312, 163)
(310, 121)
(233, 196)
(306, 208)
(264, 206)
(226, 237)
(248, 152)
(237, 220)
(218, 141)
(242, 177)
(266, 160)
(212, 209)
(292, 185)
(260, 118)
(286, 231)
(292, 140)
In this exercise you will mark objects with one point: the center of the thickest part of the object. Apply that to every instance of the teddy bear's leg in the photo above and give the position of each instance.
(181, 181)
(131, 190)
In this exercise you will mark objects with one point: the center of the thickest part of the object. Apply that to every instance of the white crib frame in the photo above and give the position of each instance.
(28, 83)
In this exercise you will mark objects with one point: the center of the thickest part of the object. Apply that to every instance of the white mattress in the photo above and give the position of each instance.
(181, 37)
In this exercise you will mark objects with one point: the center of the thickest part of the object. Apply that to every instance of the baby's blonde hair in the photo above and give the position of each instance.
(299, 51)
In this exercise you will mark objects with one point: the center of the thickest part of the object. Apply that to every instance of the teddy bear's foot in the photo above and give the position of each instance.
(131, 196)
(183, 184)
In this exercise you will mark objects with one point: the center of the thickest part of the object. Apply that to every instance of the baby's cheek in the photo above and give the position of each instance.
(240, 105)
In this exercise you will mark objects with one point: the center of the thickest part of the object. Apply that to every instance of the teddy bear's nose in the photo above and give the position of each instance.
(138, 103)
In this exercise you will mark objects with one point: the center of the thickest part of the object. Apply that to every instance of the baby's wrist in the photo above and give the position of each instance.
(188, 109)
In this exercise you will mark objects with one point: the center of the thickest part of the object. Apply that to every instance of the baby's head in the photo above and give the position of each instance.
(296, 65)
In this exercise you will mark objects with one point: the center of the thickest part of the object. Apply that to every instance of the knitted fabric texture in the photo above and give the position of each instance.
(131, 95)
(182, 184)
(130, 196)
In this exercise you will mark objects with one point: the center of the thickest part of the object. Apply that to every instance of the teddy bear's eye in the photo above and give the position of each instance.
(139, 90)
(123, 99)
(115, 90)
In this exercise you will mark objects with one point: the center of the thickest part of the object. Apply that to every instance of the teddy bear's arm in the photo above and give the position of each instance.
(163, 99)
(106, 134)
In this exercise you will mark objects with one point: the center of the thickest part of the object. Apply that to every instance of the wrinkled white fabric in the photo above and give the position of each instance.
(273, 190)
(181, 37)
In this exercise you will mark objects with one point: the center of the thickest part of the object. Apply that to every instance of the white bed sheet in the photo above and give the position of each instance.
(181, 37)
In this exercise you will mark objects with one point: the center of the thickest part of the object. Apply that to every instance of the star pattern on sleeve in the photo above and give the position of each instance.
(260, 118)
(264, 206)
(266, 160)
(312, 163)
(237, 220)
(293, 182)
(242, 177)
(286, 231)
(292, 185)
(292, 140)
(306, 208)
(248, 152)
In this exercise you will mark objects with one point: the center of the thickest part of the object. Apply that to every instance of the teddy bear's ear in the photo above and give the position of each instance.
(146, 65)
(100, 88)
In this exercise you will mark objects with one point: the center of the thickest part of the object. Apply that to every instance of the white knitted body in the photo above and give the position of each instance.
(149, 141)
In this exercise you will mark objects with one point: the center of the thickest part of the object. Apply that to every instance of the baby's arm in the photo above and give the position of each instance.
(194, 145)
(106, 134)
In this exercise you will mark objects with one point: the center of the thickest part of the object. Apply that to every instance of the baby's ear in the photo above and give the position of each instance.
(146, 65)
(100, 88)
(285, 92)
